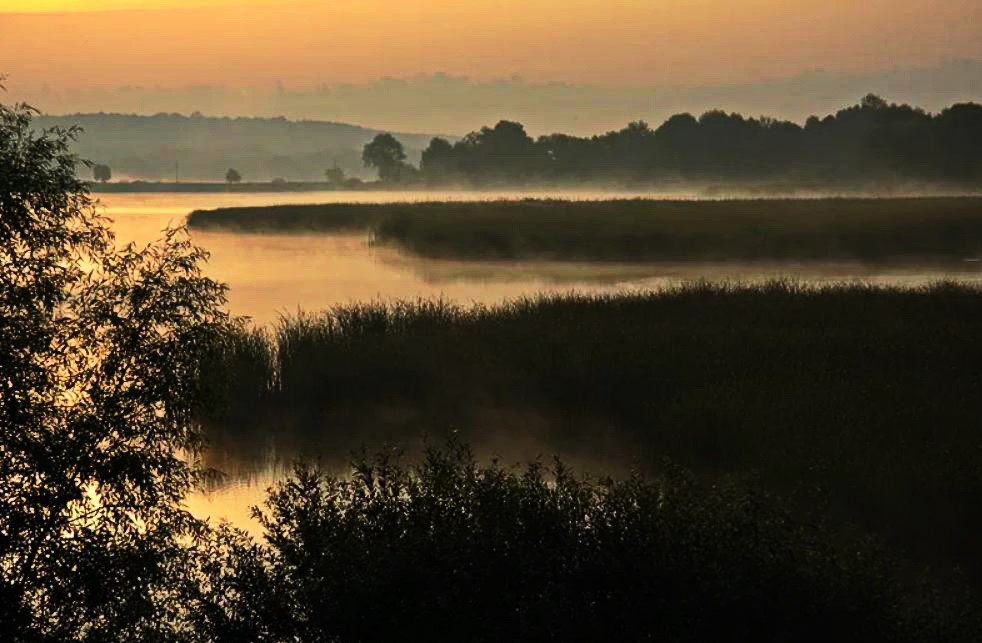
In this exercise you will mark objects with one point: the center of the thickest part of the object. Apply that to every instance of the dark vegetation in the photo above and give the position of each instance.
(871, 146)
(102, 173)
(99, 386)
(110, 359)
(873, 230)
(861, 403)
(452, 551)
(873, 143)
(387, 155)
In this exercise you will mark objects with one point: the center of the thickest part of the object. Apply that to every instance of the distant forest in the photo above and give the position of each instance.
(869, 145)
(873, 142)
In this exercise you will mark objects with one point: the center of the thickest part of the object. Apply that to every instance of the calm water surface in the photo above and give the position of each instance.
(271, 275)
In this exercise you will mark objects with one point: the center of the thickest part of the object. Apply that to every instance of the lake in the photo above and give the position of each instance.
(274, 274)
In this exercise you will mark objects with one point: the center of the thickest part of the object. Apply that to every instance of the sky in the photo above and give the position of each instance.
(450, 66)
(302, 44)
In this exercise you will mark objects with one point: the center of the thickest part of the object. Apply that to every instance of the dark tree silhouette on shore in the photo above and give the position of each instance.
(233, 176)
(437, 163)
(873, 143)
(99, 388)
(386, 154)
(335, 175)
(102, 173)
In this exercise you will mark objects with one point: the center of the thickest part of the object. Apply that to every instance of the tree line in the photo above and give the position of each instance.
(869, 142)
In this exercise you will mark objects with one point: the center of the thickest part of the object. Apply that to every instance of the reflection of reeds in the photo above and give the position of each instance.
(875, 230)
(871, 395)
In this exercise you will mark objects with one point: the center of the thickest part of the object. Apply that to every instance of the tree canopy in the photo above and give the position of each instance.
(386, 154)
(873, 142)
(102, 173)
(99, 389)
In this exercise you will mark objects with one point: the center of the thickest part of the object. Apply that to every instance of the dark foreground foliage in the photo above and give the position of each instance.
(99, 351)
(452, 551)
(861, 402)
(871, 230)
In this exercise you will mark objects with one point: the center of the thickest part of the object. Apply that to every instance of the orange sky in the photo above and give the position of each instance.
(636, 42)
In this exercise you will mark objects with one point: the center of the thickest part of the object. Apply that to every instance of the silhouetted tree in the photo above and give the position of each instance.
(102, 173)
(502, 153)
(99, 388)
(958, 140)
(386, 154)
(437, 162)
(233, 176)
(335, 175)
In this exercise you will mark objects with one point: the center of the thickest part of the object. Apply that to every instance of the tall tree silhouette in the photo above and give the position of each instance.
(385, 154)
(99, 387)
(102, 173)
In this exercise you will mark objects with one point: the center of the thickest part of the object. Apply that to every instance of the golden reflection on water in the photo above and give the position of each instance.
(232, 502)
(270, 275)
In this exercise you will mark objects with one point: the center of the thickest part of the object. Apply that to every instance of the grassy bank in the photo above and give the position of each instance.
(873, 230)
(861, 403)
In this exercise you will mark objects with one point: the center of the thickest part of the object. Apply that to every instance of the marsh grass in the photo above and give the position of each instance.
(289, 218)
(868, 230)
(859, 400)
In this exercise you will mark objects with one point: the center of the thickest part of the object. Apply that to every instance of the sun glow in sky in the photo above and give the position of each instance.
(75, 43)
(54, 6)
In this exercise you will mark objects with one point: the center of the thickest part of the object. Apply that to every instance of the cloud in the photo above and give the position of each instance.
(457, 104)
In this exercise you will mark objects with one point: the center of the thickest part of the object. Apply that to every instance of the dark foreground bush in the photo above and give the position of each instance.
(872, 396)
(451, 551)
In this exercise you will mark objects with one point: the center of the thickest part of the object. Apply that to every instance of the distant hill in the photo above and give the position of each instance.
(202, 148)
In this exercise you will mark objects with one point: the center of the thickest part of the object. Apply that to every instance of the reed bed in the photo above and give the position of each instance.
(947, 230)
(861, 403)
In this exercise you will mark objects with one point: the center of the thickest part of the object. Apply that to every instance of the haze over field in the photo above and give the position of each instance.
(442, 102)
(198, 148)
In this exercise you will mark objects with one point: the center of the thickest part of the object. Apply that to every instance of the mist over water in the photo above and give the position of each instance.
(274, 274)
